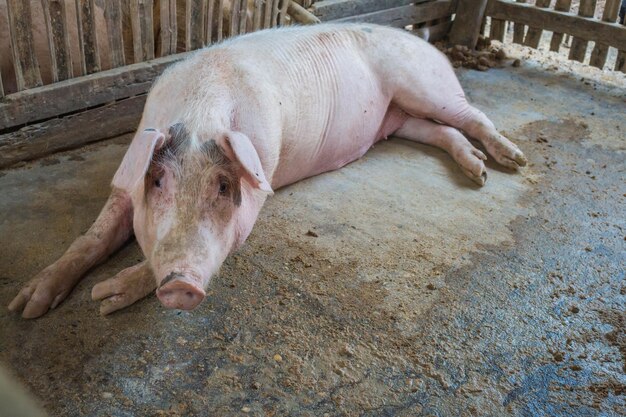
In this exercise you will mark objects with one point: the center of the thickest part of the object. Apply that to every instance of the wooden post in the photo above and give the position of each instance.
(301, 15)
(600, 51)
(258, 14)
(518, 29)
(267, 17)
(557, 38)
(89, 53)
(579, 46)
(169, 27)
(498, 27)
(234, 17)
(533, 36)
(194, 24)
(113, 16)
(466, 25)
(208, 23)
(135, 23)
(58, 40)
(220, 20)
(22, 45)
(243, 16)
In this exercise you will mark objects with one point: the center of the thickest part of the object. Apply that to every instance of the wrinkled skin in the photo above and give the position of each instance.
(225, 127)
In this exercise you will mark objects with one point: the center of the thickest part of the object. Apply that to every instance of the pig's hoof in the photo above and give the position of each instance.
(471, 162)
(43, 292)
(127, 287)
(507, 153)
(180, 293)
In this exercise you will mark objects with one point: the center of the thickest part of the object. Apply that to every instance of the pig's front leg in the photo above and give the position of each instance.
(130, 285)
(48, 288)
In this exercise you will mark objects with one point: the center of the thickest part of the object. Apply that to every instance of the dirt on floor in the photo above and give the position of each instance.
(392, 287)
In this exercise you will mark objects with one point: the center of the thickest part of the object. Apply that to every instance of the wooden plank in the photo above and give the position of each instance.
(557, 38)
(301, 15)
(220, 20)
(258, 14)
(127, 34)
(267, 14)
(620, 62)
(146, 9)
(337, 9)
(234, 17)
(243, 15)
(611, 34)
(58, 39)
(439, 31)
(498, 27)
(89, 53)
(579, 46)
(208, 22)
(78, 93)
(22, 45)
(466, 26)
(113, 17)
(284, 7)
(533, 36)
(135, 22)
(518, 29)
(407, 15)
(1, 87)
(194, 24)
(275, 10)
(72, 131)
(169, 27)
(600, 51)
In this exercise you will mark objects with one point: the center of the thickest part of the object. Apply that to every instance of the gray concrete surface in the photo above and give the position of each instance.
(421, 295)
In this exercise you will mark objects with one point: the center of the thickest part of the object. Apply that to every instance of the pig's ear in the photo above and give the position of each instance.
(247, 156)
(137, 159)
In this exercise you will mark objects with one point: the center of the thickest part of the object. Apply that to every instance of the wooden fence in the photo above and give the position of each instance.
(530, 20)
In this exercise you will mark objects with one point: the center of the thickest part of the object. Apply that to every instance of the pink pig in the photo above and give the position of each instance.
(223, 128)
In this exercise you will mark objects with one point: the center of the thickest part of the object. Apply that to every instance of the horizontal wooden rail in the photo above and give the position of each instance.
(336, 9)
(80, 93)
(407, 15)
(590, 29)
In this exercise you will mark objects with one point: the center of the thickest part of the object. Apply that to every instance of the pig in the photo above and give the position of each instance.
(224, 128)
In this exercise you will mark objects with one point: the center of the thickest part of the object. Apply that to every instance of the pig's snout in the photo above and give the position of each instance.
(180, 291)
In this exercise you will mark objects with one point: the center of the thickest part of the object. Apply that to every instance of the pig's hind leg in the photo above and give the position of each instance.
(450, 140)
(48, 288)
(130, 285)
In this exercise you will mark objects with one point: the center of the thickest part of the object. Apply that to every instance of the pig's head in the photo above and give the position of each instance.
(194, 201)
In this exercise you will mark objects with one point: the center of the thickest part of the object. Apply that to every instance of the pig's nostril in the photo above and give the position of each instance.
(180, 293)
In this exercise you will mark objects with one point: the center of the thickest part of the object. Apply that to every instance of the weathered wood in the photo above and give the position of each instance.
(407, 15)
(518, 29)
(234, 17)
(439, 31)
(169, 27)
(600, 51)
(79, 93)
(208, 22)
(267, 16)
(275, 10)
(466, 26)
(620, 62)
(194, 24)
(89, 53)
(337, 9)
(135, 22)
(113, 16)
(533, 36)
(301, 15)
(243, 15)
(68, 132)
(146, 11)
(498, 27)
(557, 38)
(258, 14)
(58, 39)
(127, 34)
(284, 6)
(220, 20)
(611, 34)
(24, 60)
(1, 87)
(577, 52)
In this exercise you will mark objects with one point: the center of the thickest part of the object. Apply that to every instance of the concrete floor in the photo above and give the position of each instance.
(421, 295)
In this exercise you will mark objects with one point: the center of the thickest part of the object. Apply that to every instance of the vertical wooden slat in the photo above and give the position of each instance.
(220, 20)
(58, 39)
(135, 23)
(208, 31)
(234, 17)
(497, 29)
(283, 12)
(169, 27)
(518, 29)
(1, 87)
(90, 56)
(258, 14)
(22, 45)
(557, 38)
(243, 16)
(194, 24)
(533, 36)
(127, 34)
(600, 51)
(275, 10)
(466, 26)
(620, 62)
(579, 46)
(113, 17)
(146, 14)
(267, 18)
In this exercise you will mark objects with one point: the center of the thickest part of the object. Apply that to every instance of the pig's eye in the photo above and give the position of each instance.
(223, 187)
(157, 183)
